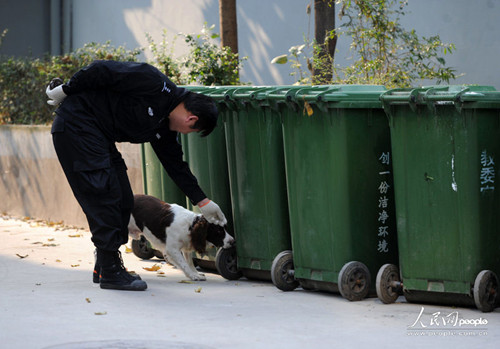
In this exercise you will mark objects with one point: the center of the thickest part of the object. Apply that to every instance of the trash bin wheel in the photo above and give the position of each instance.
(142, 248)
(388, 283)
(226, 263)
(354, 281)
(486, 291)
(282, 271)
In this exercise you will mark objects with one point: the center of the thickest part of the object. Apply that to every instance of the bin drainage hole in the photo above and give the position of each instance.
(129, 344)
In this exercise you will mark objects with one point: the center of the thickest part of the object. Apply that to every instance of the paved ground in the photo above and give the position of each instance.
(47, 300)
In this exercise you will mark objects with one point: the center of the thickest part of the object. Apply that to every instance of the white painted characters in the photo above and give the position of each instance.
(383, 203)
(487, 176)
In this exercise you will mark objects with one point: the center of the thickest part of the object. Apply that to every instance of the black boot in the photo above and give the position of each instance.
(114, 275)
(97, 271)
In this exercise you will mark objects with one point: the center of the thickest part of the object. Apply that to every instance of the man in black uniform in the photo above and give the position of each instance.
(110, 102)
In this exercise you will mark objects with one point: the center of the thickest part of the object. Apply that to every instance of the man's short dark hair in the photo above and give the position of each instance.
(205, 109)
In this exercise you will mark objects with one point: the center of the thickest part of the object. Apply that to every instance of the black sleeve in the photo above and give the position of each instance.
(169, 152)
(125, 77)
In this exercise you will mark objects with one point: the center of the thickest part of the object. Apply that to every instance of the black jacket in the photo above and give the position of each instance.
(130, 102)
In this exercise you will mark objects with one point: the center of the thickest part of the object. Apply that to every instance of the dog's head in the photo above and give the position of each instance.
(204, 233)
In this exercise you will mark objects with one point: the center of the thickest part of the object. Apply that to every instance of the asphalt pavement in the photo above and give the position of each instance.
(48, 300)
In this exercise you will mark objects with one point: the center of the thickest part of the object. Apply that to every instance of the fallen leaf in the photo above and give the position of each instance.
(37, 243)
(17, 254)
(51, 224)
(185, 282)
(75, 265)
(308, 109)
(155, 267)
(101, 313)
(58, 261)
(75, 236)
(50, 245)
(128, 249)
(88, 300)
(198, 290)
(51, 239)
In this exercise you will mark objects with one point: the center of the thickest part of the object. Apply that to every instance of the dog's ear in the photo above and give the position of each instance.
(199, 231)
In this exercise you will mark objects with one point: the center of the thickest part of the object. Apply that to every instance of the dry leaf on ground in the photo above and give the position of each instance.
(155, 267)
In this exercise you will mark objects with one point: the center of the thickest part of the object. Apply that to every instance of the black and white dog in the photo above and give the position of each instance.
(176, 232)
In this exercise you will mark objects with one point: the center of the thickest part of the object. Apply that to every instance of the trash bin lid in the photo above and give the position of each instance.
(462, 96)
(342, 96)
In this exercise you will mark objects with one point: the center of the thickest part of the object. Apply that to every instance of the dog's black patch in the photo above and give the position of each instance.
(154, 214)
(202, 231)
(198, 233)
(216, 234)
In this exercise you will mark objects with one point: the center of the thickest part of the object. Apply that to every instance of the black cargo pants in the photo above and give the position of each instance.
(98, 177)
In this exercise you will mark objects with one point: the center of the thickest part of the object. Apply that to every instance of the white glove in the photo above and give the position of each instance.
(56, 95)
(213, 214)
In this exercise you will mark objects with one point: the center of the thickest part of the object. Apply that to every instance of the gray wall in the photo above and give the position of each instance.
(473, 26)
(28, 22)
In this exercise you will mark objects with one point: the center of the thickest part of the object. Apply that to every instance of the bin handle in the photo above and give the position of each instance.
(316, 98)
(430, 97)
(242, 92)
(275, 98)
(408, 95)
(430, 94)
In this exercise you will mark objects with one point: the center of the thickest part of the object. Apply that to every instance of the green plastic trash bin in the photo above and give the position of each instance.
(207, 160)
(340, 190)
(258, 182)
(446, 150)
(156, 181)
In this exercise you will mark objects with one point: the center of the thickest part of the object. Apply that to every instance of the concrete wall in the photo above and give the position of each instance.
(32, 182)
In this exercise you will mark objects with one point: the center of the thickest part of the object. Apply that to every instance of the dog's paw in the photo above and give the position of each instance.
(198, 277)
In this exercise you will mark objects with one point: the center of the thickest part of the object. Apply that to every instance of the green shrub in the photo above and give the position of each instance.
(23, 80)
(209, 64)
(21, 92)
(163, 58)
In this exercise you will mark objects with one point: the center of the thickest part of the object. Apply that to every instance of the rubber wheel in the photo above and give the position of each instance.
(354, 281)
(226, 263)
(142, 248)
(281, 272)
(386, 275)
(486, 291)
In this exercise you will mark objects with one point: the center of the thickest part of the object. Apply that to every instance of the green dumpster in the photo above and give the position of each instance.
(207, 160)
(340, 190)
(258, 183)
(156, 181)
(446, 151)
